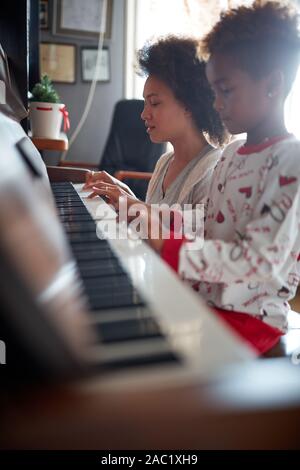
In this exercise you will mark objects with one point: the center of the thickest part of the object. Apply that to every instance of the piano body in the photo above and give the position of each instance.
(101, 337)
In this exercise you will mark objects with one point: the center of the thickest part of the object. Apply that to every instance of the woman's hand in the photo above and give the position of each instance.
(93, 177)
(119, 198)
(113, 193)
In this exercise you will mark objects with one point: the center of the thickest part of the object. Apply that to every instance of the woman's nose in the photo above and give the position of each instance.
(145, 114)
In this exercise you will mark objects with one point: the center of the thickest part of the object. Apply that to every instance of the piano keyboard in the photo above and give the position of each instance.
(121, 313)
(142, 313)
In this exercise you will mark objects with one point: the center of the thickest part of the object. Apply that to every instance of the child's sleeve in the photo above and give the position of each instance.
(265, 245)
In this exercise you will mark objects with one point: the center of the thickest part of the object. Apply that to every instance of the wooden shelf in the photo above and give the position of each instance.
(42, 143)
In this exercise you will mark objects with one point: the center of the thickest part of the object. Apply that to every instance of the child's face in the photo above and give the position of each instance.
(241, 100)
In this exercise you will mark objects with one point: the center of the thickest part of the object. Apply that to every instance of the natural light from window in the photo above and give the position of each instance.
(155, 18)
(292, 108)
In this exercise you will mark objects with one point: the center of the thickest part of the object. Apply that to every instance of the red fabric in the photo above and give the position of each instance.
(65, 114)
(246, 149)
(175, 215)
(258, 333)
(170, 251)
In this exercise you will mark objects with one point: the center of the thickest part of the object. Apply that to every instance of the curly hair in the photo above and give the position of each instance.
(260, 38)
(176, 62)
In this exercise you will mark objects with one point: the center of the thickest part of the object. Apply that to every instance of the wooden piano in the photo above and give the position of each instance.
(105, 347)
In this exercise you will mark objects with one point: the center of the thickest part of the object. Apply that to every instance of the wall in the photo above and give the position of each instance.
(91, 140)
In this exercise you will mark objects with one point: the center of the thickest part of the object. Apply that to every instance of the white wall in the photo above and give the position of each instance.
(90, 142)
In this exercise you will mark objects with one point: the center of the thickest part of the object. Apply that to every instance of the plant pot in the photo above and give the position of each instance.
(46, 119)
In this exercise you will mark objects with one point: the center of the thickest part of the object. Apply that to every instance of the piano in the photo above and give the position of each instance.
(120, 312)
(105, 347)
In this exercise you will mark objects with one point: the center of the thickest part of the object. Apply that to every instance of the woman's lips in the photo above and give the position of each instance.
(150, 129)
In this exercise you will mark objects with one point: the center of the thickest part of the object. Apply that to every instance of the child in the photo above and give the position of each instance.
(246, 268)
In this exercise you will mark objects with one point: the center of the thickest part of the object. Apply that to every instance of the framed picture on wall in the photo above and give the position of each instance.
(88, 64)
(82, 19)
(58, 61)
(44, 14)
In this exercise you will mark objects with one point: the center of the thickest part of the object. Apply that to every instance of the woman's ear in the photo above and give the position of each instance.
(275, 84)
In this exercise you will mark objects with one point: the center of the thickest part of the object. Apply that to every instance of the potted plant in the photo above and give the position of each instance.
(46, 112)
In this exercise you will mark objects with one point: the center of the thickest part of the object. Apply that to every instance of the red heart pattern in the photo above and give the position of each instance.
(220, 217)
(247, 191)
(285, 180)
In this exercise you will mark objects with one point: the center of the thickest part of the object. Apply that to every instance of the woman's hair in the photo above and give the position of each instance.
(175, 61)
(260, 38)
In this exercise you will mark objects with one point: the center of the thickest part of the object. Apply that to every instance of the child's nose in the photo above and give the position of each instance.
(218, 104)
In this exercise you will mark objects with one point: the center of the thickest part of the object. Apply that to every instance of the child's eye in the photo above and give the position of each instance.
(156, 103)
(226, 91)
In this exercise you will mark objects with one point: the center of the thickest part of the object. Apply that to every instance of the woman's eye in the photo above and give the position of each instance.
(155, 103)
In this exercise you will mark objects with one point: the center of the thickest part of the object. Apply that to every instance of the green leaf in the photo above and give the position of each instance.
(45, 91)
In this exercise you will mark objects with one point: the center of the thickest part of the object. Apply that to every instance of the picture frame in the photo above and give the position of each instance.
(88, 64)
(58, 61)
(75, 18)
(44, 14)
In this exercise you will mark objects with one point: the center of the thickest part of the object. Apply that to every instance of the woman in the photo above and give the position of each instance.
(178, 109)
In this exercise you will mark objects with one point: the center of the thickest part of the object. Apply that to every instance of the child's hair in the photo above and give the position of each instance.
(260, 38)
(175, 61)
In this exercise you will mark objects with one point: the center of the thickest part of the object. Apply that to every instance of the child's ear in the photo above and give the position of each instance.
(275, 83)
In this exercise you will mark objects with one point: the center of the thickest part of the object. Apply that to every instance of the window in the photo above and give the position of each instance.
(149, 19)
(154, 18)
(292, 107)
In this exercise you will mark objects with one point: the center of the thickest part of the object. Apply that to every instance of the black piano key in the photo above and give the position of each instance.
(106, 302)
(151, 359)
(128, 330)
(71, 210)
(59, 189)
(76, 218)
(96, 245)
(94, 255)
(119, 282)
(114, 300)
(82, 237)
(104, 269)
(66, 197)
(79, 227)
(67, 204)
(91, 264)
(63, 191)
(63, 184)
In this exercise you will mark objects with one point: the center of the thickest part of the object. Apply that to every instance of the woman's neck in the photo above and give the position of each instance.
(187, 148)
